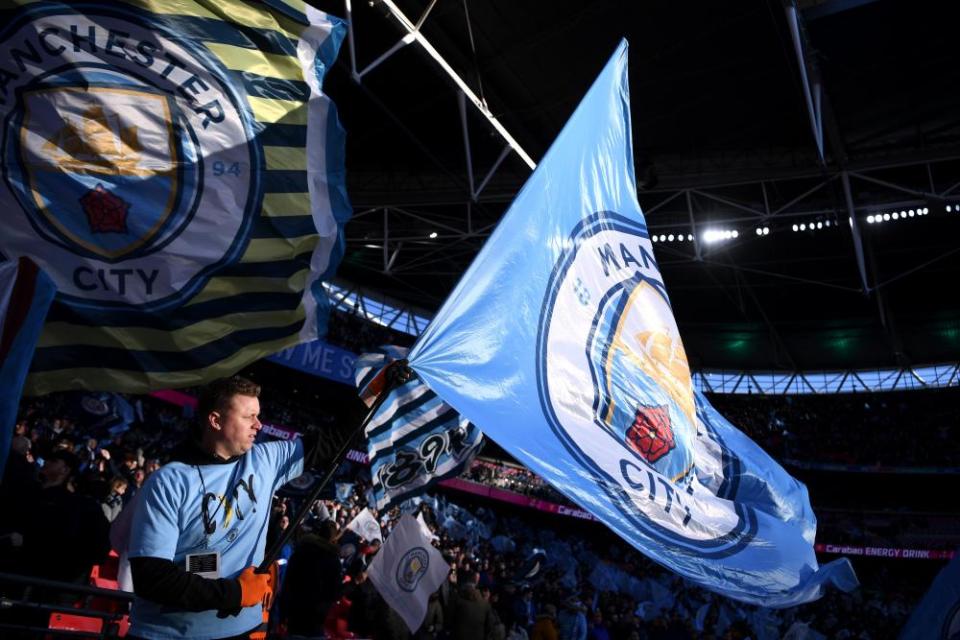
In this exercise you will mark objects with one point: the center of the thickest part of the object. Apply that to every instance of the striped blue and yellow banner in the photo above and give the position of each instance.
(176, 168)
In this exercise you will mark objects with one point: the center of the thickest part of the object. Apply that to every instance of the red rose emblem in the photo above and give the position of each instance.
(106, 213)
(650, 435)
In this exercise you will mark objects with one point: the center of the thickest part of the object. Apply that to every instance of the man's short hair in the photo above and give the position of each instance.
(217, 395)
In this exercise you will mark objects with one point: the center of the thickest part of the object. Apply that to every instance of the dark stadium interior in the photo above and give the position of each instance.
(718, 113)
(722, 140)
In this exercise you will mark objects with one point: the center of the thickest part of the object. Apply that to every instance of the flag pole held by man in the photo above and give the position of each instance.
(560, 344)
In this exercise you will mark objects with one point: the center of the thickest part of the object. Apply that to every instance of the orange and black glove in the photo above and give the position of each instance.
(254, 587)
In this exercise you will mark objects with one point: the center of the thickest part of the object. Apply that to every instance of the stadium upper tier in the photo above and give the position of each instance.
(410, 322)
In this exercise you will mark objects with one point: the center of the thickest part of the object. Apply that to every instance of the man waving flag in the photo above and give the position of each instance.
(560, 344)
(178, 171)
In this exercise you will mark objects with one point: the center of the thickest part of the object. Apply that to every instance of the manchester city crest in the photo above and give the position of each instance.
(121, 139)
(412, 567)
(616, 388)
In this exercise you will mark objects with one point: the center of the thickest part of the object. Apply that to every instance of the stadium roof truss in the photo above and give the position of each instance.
(416, 229)
(383, 311)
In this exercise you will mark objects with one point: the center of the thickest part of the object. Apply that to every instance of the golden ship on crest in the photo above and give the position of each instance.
(96, 142)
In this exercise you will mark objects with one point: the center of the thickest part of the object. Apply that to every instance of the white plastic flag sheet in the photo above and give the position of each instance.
(366, 526)
(559, 342)
(407, 570)
(426, 528)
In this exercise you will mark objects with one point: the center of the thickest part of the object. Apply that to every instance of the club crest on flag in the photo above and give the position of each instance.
(615, 382)
(112, 163)
(412, 567)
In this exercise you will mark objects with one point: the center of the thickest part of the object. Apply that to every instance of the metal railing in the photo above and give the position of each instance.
(20, 595)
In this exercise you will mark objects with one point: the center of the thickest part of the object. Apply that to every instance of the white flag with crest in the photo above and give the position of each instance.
(407, 570)
(366, 526)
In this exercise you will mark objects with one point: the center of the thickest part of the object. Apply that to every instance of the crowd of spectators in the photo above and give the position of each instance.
(511, 477)
(898, 429)
(77, 459)
(517, 577)
(352, 332)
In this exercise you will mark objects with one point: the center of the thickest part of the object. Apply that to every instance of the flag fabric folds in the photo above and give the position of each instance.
(560, 343)
(938, 614)
(25, 296)
(177, 170)
(407, 570)
(415, 439)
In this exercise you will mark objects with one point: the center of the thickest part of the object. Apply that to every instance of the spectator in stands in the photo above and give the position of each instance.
(546, 626)
(571, 621)
(88, 453)
(598, 631)
(524, 611)
(113, 502)
(17, 494)
(432, 626)
(313, 581)
(65, 533)
(469, 615)
(197, 525)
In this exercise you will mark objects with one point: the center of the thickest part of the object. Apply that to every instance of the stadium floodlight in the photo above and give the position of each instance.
(766, 231)
(796, 228)
(670, 237)
(911, 214)
(735, 233)
(663, 237)
(433, 235)
(819, 225)
(870, 219)
(886, 217)
(895, 216)
(653, 238)
(690, 237)
(711, 236)
(826, 223)
(803, 227)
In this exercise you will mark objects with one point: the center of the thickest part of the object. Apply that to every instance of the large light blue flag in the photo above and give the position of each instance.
(415, 439)
(560, 343)
(938, 615)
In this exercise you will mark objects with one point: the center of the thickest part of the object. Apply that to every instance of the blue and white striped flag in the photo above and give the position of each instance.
(415, 439)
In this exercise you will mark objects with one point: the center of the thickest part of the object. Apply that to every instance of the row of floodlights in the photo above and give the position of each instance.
(709, 236)
(717, 235)
(898, 215)
(813, 226)
(671, 237)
